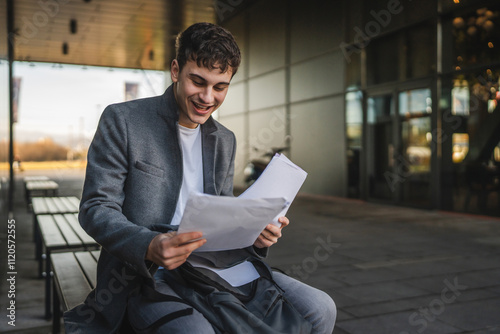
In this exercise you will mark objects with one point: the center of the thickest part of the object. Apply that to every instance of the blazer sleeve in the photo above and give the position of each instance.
(103, 195)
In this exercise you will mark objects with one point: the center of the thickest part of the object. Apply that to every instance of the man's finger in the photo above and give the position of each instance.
(175, 262)
(185, 238)
(270, 235)
(179, 254)
(192, 245)
(284, 221)
(273, 229)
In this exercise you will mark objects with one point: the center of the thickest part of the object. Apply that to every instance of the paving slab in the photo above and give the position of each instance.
(473, 316)
(384, 266)
(397, 323)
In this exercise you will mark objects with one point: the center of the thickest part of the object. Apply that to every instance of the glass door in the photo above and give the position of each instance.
(398, 147)
(380, 146)
(413, 161)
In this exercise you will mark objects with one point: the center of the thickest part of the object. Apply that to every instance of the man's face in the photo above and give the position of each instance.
(198, 91)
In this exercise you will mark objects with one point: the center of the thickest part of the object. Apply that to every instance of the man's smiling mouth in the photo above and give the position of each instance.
(201, 107)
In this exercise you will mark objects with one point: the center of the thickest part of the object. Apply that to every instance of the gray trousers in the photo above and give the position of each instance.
(315, 306)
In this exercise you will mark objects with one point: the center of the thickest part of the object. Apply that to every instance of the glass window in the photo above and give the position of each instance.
(476, 37)
(382, 57)
(420, 49)
(475, 137)
(380, 148)
(353, 18)
(354, 129)
(415, 102)
(403, 55)
(353, 70)
(416, 138)
(460, 97)
(460, 142)
(380, 109)
(449, 5)
(354, 118)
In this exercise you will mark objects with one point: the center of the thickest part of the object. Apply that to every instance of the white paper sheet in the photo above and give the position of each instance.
(281, 178)
(236, 275)
(228, 222)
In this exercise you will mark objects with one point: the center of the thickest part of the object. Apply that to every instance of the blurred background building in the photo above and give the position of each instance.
(393, 101)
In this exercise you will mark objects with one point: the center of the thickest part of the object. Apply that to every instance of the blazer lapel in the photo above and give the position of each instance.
(209, 144)
(169, 112)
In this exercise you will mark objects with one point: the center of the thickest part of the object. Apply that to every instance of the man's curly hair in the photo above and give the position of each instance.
(210, 45)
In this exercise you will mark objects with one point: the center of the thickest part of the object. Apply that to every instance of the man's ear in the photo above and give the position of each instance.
(174, 70)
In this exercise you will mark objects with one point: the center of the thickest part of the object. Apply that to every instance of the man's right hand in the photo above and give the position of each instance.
(170, 250)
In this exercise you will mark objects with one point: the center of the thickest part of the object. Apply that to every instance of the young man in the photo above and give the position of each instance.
(146, 157)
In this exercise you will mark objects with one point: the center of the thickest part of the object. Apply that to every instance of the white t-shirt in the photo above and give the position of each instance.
(192, 176)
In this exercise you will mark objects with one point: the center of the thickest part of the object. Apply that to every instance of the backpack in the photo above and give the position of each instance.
(258, 307)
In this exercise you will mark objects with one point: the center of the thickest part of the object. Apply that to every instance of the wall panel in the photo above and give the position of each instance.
(318, 144)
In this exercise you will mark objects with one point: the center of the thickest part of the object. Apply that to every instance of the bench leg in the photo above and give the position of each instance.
(48, 282)
(35, 224)
(56, 310)
(27, 195)
(38, 246)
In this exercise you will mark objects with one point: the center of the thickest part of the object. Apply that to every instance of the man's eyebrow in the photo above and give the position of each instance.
(204, 80)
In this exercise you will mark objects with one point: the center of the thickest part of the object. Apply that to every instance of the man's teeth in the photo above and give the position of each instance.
(200, 107)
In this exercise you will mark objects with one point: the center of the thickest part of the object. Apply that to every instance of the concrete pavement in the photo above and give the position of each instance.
(390, 270)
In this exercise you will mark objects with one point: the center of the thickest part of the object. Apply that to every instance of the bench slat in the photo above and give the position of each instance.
(89, 266)
(42, 205)
(35, 178)
(72, 219)
(39, 205)
(51, 235)
(69, 204)
(59, 205)
(41, 185)
(70, 279)
(68, 233)
(75, 201)
(96, 254)
(51, 205)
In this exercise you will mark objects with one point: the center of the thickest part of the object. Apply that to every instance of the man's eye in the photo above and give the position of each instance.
(219, 89)
(197, 83)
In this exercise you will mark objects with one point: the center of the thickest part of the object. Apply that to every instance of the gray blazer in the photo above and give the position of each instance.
(132, 182)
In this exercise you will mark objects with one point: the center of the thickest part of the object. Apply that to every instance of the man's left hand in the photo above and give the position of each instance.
(271, 234)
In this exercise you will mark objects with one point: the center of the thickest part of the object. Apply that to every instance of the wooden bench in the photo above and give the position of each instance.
(31, 179)
(52, 205)
(35, 178)
(59, 232)
(38, 188)
(75, 275)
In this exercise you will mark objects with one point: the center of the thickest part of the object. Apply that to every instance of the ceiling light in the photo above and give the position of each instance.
(73, 26)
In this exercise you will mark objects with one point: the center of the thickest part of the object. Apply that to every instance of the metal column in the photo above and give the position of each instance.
(10, 34)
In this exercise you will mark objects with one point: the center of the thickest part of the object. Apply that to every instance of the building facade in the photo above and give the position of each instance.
(392, 101)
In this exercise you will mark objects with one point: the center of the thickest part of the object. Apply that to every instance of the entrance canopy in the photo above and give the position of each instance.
(111, 33)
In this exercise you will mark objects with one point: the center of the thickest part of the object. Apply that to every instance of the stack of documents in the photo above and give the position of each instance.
(236, 222)
(281, 178)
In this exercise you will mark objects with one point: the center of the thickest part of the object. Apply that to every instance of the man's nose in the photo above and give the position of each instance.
(207, 95)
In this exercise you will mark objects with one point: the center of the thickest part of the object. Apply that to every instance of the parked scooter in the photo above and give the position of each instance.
(255, 167)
